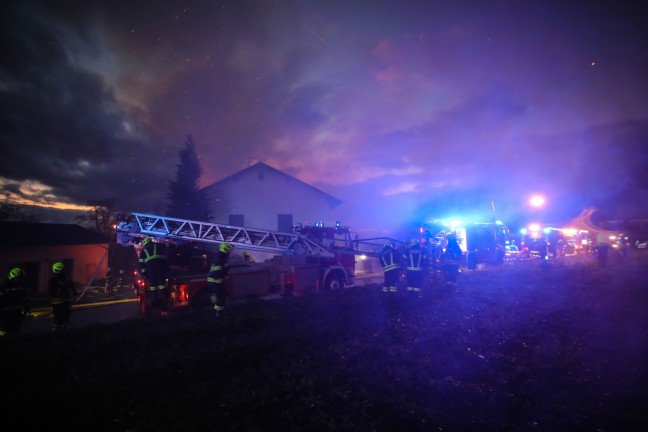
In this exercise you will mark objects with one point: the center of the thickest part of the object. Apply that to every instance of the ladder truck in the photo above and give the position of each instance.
(310, 258)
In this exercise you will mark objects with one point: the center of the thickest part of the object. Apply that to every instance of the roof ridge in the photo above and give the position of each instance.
(261, 164)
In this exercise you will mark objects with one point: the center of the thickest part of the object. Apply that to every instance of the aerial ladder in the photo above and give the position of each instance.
(318, 250)
(131, 229)
(306, 260)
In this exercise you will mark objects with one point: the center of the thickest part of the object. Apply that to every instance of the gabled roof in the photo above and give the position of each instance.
(253, 169)
(42, 234)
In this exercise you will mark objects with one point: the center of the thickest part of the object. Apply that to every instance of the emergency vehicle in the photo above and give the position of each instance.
(481, 242)
(535, 241)
(575, 241)
(538, 240)
(308, 258)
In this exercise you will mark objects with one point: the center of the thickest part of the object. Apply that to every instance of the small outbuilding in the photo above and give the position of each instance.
(35, 247)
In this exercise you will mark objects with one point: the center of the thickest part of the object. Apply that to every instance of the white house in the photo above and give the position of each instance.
(261, 196)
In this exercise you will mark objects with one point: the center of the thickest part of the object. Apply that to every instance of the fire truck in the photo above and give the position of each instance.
(481, 242)
(308, 258)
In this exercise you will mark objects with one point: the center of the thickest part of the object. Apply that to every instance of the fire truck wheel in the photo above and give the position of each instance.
(334, 281)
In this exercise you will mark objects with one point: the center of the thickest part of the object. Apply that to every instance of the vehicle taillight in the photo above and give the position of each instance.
(183, 292)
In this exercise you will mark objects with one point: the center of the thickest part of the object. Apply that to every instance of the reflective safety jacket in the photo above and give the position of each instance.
(218, 270)
(389, 259)
(149, 253)
(415, 258)
(60, 288)
(14, 295)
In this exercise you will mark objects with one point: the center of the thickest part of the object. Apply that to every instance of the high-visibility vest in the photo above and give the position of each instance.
(217, 273)
(414, 259)
(148, 254)
(389, 261)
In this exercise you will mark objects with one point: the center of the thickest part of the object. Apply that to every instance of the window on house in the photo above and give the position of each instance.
(237, 220)
(285, 222)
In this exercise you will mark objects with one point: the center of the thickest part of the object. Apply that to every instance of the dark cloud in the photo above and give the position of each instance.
(62, 126)
(381, 103)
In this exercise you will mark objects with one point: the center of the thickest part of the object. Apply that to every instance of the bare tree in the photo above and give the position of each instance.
(14, 212)
(99, 217)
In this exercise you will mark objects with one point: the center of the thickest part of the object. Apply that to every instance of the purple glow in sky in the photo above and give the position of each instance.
(410, 106)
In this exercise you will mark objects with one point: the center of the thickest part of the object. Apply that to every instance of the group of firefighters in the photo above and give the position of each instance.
(416, 261)
(15, 299)
(154, 268)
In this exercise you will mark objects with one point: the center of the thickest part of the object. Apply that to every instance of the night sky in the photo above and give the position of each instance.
(403, 109)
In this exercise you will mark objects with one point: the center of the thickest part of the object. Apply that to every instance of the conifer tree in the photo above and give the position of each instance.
(187, 200)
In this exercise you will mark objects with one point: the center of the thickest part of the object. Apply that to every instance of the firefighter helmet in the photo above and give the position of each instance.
(57, 267)
(146, 241)
(16, 272)
(225, 247)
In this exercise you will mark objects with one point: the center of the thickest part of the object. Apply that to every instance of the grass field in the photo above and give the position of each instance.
(522, 347)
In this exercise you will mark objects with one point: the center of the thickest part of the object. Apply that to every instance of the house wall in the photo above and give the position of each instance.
(84, 259)
(262, 195)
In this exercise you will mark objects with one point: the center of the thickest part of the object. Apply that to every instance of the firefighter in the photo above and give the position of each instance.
(217, 275)
(154, 266)
(247, 259)
(415, 262)
(543, 249)
(60, 288)
(390, 262)
(14, 301)
(451, 259)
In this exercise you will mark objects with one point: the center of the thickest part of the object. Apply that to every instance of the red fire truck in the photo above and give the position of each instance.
(308, 258)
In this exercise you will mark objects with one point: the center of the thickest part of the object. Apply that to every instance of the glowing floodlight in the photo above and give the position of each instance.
(537, 201)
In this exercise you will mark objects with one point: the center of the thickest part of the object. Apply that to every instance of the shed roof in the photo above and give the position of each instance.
(45, 234)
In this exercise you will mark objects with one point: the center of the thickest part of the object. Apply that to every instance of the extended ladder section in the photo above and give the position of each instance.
(140, 225)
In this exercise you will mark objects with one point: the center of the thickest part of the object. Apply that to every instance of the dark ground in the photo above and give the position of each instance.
(516, 348)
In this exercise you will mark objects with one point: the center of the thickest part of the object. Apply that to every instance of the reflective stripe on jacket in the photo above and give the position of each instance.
(414, 259)
(150, 253)
(217, 273)
(389, 260)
